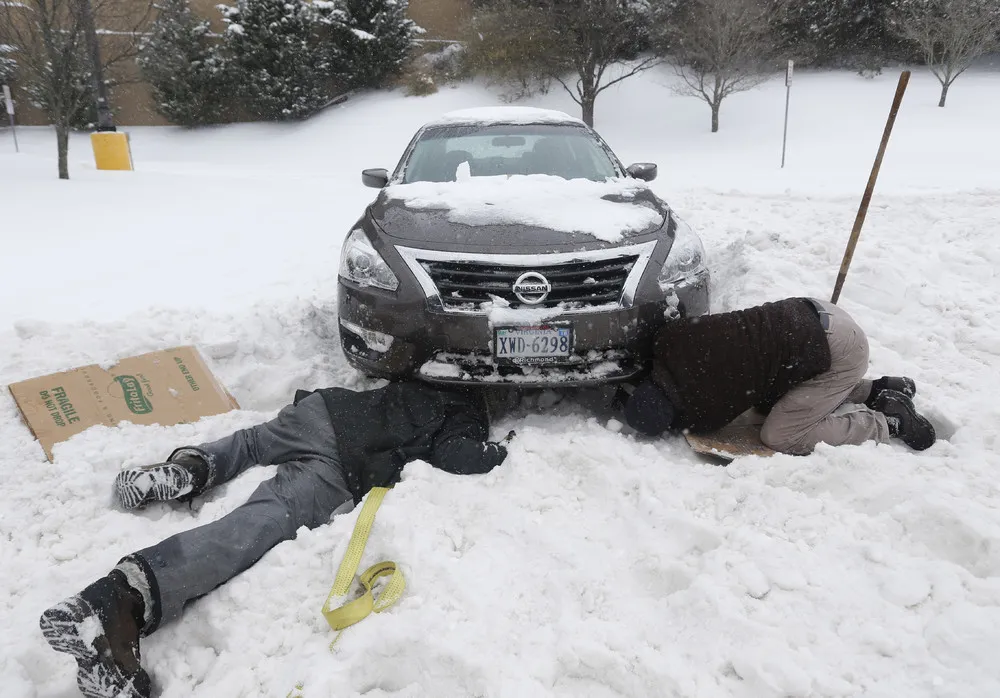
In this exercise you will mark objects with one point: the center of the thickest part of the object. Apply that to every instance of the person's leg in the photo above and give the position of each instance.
(860, 393)
(152, 585)
(308, 487)
(805, 416)
(192, 563)
(297, 432)
(101, 626)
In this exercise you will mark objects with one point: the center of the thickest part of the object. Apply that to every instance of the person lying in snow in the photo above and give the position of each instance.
(801, 358)
(331, 447)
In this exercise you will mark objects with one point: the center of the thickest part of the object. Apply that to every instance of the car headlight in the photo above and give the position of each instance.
(686, 258)
(360, 263)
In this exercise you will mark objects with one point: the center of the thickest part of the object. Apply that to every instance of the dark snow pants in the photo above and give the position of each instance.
(308, 489)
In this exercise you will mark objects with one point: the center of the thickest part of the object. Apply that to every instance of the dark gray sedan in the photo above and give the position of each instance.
(510, 245)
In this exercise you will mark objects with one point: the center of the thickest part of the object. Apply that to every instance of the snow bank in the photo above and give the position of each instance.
(572, 206)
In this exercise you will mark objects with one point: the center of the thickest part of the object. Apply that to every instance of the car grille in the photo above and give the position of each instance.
(464, 285)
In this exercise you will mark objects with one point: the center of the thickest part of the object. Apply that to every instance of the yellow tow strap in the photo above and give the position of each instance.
(349, 613)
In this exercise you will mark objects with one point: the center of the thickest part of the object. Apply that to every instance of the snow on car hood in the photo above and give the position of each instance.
(607, 211)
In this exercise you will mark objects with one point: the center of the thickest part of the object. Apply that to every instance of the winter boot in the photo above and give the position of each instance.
(99, 627)
(182, 477)
(899, 383)
(904, 421)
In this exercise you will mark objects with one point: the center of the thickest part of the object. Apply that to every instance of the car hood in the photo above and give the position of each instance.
(537, 212)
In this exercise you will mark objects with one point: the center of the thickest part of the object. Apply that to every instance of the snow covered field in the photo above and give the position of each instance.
(592, 563)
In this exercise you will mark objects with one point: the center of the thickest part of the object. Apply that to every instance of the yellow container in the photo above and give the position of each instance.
(111, 150)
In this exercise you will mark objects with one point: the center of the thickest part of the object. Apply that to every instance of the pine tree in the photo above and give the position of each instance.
(7, 66)
(375, 40)
(333, 40)
(854, 33)
(276, 60)
(182, 62)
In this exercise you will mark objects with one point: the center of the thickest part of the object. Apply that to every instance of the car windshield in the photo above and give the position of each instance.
(443, 154)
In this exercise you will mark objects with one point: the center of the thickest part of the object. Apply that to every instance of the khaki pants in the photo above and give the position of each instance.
(828, 408)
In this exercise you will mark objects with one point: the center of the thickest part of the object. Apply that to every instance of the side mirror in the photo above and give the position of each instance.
(376, 178)
(645, 171)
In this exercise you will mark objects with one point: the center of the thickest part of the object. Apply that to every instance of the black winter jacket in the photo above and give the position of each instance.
(715, 367)
(380, 431)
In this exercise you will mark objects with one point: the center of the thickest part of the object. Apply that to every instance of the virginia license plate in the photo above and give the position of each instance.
(534, 344)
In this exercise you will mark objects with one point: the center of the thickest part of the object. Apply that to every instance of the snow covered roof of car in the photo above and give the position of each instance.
(505, 115)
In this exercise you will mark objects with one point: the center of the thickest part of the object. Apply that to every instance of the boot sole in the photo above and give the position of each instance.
(903, 408)
(73, 627)
(909, 387)
(137, 487)
(923, 441)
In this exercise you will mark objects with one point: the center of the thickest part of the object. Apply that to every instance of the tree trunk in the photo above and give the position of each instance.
(717, 95)
(62, 143)
(105, 121)
(587, 103)
(944, 93)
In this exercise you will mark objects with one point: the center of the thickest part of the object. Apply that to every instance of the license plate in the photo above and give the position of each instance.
(532, 344)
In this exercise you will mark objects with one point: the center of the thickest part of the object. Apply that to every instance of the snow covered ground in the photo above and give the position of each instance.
(592, 563)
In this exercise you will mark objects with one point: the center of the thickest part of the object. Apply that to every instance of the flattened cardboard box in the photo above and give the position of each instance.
(164, 387)
(730, 442)
(739, 438)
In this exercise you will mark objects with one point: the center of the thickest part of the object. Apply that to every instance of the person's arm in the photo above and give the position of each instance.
(460, 446)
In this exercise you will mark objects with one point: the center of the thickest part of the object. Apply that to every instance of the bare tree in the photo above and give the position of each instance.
(599, 34)
(56, 57)
(513, 47)
(719, 47)
(951, 34)
(598, 42)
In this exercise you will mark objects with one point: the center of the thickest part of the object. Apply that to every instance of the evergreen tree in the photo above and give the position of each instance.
(276, 60)
(374, 39)
(182, 62)
(7, 66)
(333, 39)
(855, 33)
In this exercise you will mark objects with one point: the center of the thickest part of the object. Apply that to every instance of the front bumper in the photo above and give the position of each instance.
(389, 336)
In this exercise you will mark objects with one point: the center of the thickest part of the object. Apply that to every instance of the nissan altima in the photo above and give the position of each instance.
(510, 245)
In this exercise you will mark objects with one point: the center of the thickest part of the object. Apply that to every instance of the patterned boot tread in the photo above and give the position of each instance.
(75, 628)
(163, 482)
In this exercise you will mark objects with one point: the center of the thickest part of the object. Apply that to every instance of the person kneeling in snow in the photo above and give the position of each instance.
(801, 358)
(331, 447)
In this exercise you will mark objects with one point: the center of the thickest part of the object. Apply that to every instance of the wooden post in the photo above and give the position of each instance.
(9, 105)
(788, 98)
(904, 78)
